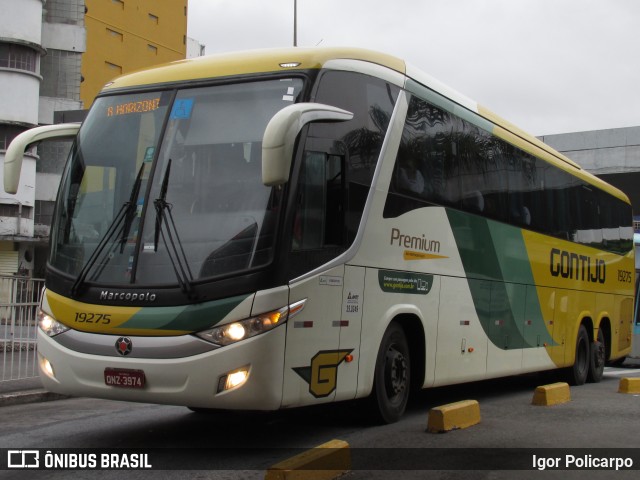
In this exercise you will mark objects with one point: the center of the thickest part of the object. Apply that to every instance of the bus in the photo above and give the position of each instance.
(635, 343)
(280, 228)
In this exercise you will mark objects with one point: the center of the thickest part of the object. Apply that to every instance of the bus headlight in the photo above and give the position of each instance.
(50, 325)
(229, 333)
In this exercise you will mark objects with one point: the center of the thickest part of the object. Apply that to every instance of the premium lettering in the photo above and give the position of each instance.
(416, 243)
(573, 266)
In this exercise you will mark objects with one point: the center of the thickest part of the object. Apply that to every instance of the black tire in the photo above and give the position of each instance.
(392, 376)
(597, 359)
(577, 375)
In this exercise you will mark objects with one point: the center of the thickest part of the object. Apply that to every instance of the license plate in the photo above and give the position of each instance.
(124, 378)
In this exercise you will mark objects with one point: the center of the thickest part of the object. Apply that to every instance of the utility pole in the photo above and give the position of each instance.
(295, 23)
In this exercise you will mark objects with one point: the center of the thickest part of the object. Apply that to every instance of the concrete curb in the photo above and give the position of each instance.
(324, 462)
(629, 385)
(552, 394)
(30, 396)
(453, 416)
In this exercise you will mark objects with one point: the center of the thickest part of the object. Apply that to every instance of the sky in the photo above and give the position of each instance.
(548, 66)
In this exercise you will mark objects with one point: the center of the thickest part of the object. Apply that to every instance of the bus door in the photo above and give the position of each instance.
(313, 338)
(315, 351)
(323, 341)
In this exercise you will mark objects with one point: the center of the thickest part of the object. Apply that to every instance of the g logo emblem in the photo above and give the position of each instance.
(322, 375)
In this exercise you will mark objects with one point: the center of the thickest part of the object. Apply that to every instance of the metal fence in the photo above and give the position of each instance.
(19, 300)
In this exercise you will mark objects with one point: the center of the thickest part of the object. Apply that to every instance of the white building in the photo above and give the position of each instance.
(20, 52)
(38, 39)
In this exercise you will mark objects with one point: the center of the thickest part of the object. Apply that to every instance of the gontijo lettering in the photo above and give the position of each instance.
(576, 267)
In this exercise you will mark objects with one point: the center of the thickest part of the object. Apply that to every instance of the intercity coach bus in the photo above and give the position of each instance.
(280, 228)
(635, 342)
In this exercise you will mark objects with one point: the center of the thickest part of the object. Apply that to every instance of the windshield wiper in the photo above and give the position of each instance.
(126, 214)
(175, 250)
(131, 209)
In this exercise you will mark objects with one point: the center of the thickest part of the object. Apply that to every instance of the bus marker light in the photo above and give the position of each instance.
(470, 350)
(348, 358)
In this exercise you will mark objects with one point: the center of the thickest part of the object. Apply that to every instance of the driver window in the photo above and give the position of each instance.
(319, 216)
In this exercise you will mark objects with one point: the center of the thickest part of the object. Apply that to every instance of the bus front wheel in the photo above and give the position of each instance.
(392, 376)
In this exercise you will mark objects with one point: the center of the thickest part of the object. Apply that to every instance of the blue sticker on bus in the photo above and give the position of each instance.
(182, 109)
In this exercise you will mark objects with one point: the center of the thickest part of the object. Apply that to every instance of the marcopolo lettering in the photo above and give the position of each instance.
(573, 266)
(128, 296)
(416, 243)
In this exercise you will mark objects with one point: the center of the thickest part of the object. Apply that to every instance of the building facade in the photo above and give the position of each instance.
(127, 35)
(20, 53)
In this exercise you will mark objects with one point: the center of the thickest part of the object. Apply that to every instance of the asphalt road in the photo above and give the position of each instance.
(233, 445)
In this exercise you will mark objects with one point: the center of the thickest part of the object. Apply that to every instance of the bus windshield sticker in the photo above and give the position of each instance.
(148, 154)
(405, 282)
(182, 109)
(289, 96)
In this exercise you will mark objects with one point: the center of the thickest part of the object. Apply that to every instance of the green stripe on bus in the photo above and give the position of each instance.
(184, 318)
(499, 274)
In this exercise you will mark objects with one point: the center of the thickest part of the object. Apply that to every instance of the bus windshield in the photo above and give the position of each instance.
(165, 187)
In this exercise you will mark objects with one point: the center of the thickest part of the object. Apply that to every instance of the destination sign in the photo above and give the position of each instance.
(139, 106)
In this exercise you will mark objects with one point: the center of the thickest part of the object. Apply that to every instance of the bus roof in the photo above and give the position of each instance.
(292, 59)
(248, 62)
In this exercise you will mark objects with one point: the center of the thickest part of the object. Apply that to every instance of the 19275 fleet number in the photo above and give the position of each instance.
(88, 317)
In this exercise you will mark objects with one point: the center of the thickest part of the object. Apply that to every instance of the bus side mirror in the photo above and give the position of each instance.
(281, 132)
(15, 152)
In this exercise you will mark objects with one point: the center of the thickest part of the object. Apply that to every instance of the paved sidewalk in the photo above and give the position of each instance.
(15, 392)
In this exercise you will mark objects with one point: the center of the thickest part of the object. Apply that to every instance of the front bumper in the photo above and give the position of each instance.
(190, 380)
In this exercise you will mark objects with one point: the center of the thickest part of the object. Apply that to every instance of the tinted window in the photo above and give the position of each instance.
(371, 100)
(337, 166)
(446, 160)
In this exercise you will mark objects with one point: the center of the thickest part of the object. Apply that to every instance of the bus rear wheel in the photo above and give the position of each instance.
(577, 375)
(392, 376)
(597, 358)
